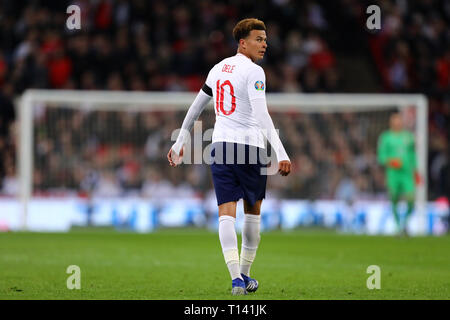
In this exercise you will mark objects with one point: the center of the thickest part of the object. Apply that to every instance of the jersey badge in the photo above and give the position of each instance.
(259, 85)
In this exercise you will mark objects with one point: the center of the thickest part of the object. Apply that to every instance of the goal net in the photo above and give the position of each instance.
(113, 145)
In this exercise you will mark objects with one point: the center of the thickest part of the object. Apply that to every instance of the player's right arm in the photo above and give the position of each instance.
(196, 108)
(256, 92)
(385, 157)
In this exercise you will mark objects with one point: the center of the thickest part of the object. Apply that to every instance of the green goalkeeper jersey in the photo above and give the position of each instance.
(397, 145)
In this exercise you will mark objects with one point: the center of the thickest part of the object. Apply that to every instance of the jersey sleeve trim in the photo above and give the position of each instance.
(206, 89)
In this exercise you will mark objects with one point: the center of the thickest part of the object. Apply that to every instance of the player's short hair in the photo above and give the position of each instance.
(243, 28)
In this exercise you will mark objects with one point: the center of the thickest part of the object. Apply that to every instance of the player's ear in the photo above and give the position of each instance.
(242, 43)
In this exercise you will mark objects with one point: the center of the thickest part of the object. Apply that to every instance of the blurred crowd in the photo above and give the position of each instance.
(157, 45)
(170, 46)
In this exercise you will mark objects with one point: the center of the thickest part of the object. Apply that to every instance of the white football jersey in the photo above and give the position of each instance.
(234, 82)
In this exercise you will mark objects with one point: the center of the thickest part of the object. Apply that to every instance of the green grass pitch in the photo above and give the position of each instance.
(188, 264)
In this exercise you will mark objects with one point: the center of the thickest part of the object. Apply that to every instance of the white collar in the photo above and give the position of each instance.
(241, 54)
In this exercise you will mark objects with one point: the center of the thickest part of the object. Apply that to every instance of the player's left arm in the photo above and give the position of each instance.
(412, 152)
(257, 96)
(412, 158)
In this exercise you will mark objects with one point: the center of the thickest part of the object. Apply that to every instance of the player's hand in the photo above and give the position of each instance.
(173, 158)
(417, 178)
(284, 167)
(395, 163)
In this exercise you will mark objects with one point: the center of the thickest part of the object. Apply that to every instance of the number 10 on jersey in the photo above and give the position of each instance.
(220, 96)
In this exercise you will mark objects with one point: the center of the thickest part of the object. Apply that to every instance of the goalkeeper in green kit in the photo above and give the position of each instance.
(396, 152)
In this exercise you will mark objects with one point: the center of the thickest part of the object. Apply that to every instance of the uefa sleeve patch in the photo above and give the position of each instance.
(259, 85)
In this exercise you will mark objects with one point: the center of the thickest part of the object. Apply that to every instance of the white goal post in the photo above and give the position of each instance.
(158, 101)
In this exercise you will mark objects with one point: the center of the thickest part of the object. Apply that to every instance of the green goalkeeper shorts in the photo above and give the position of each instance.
(401, 184)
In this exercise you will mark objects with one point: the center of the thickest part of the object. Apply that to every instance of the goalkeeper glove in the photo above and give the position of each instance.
(417, 178)
(395, 163)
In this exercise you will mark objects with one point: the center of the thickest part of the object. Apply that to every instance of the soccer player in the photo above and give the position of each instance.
(238, 85)
(396, 151)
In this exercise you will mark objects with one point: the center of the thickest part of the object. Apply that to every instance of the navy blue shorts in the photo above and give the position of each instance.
(236, 172)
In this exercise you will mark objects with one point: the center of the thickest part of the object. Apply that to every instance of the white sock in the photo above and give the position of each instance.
(250, 241)
(228, 241)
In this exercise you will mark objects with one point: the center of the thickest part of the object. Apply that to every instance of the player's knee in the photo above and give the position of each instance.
(228, 209)
(255, 209)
